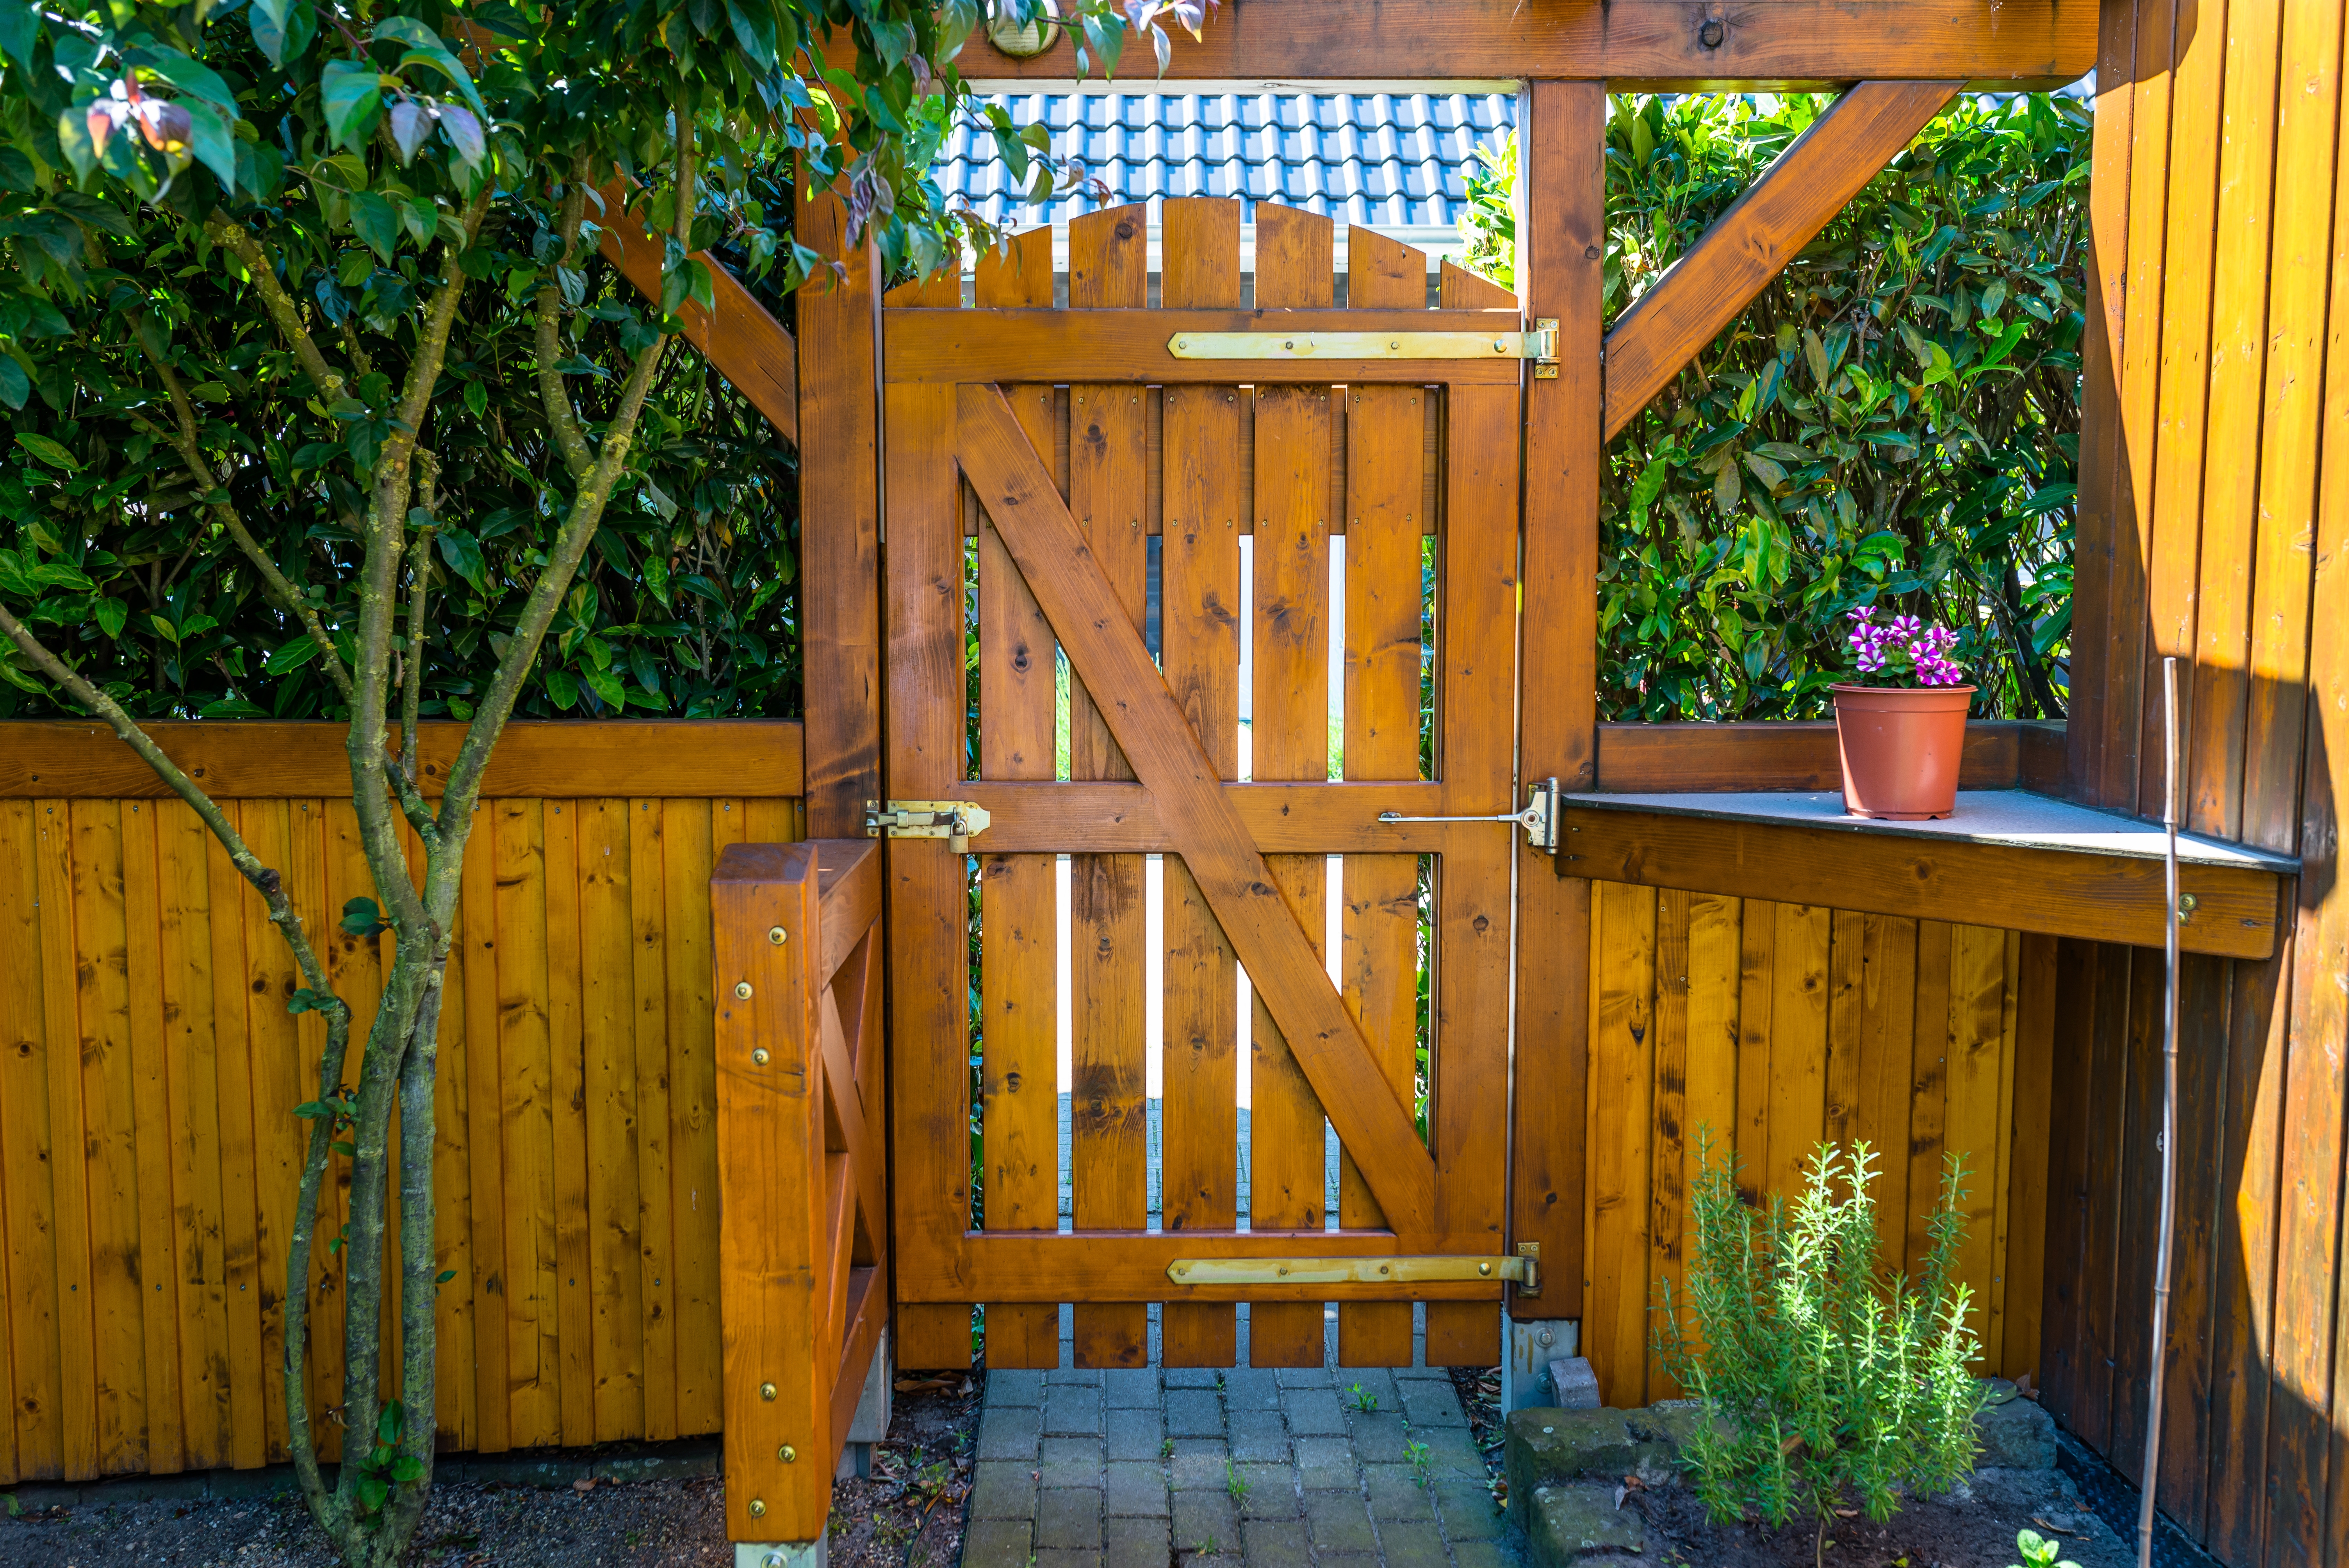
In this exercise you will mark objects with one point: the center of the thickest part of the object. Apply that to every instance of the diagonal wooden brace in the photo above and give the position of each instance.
(1202, 823)
(1733, 261)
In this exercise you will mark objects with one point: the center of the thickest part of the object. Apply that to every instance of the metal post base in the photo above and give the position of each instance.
(780, 1553)
(870, 1425)
(1532, 1345)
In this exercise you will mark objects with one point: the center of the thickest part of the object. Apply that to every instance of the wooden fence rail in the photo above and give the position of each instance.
(149, 1071)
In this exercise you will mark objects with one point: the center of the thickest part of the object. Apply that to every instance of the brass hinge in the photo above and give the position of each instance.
(953, 821)
(1351, 1271)
(1540, 346)
(1530, 1252)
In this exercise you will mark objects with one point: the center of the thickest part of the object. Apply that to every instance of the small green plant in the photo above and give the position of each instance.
(1165, 1447)
(1363, 1399)
(1416, 1452)
(1234, 1483)
(2038, 1552)
(1825, 1384)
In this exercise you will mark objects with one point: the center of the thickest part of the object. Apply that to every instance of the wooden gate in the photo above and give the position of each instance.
(1074, 482)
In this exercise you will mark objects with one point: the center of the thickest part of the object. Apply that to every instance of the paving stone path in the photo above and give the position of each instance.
(1145, 1468)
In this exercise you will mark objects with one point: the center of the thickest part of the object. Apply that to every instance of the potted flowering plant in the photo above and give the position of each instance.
(1900, 722)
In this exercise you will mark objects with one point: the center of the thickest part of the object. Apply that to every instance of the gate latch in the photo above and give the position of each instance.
(1540, 818)
(953, 821)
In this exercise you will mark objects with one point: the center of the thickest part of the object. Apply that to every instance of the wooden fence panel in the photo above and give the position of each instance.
(1729, 1024)
(148, 1152)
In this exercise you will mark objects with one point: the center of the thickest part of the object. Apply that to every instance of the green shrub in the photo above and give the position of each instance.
(1825, 1384)
(1894, 420)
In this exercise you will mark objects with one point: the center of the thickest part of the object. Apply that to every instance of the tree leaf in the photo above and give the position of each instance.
(361, 917)
(425, 47)
(308, 1001)
(375, 224)
(410, 126)
(47, 450)
(14, 385)
(19, 26)
(293, 655)
(350, 92)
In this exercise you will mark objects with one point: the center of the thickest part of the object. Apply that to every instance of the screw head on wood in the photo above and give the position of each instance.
(766, 1390)
(741, 990)
(787, 1453)
(759, 1056)
(758, 1508)
(776, 934)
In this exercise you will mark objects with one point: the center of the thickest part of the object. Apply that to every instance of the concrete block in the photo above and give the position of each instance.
(1568, 1521)
(1573, 1384)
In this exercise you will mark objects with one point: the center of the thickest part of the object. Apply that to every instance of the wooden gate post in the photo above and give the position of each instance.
(1562, 240)
(802, 1228)
(769, 1142)
(840, 524)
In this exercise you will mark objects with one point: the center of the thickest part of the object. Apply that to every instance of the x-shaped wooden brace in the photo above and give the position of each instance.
(857, 1198)
(1107, 654)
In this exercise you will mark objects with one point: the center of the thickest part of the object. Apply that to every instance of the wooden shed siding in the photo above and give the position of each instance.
(2214, 514)
(149, 1151)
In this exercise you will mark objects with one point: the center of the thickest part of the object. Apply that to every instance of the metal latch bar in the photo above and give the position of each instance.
(953, 821)
(1540, 818)
(1539, 345)
(1420, 1270)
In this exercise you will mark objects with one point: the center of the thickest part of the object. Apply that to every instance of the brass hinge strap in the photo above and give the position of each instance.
(1539, 345)
(1424, 1269)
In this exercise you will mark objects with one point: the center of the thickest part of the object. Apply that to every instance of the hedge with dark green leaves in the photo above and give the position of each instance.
(1895, 422)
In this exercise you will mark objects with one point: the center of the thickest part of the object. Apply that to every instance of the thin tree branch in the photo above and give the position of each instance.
(562, 418)
(281, 588)
(546, 593)
(420, 588)
(243, 245)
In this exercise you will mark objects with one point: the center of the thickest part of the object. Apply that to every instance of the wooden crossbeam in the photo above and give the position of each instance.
(1630, 43)
(1751, 243)
(743, 343)
(1108, 654)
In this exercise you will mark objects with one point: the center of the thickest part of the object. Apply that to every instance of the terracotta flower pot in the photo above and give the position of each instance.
(1901, 746)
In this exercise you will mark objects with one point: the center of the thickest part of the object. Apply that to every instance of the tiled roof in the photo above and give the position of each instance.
(1392, 161)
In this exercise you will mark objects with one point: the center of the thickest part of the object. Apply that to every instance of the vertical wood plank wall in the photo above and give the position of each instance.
(2214, 512)
(148, 1152)
(1775, 1025)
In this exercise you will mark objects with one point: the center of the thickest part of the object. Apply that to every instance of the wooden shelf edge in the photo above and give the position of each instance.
(2098, 896)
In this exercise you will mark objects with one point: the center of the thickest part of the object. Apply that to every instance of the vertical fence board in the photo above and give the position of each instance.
(693, 832)
(1019, 895)
(1199, 599)
(649, 1068)
(28, 1163)
(574, 1269)
(1623, 925)
(1383, 649)
(1289, 736)
(109, 1134)
(608, 1085)
(193, 1083)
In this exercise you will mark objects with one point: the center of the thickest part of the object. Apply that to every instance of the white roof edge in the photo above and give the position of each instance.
(1018, 87)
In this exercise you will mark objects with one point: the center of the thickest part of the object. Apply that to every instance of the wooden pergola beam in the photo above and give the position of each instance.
(754, 352)
(1630, 43)
(1751, 243)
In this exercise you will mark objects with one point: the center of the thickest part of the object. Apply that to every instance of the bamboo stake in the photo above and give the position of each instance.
(2168, 1125)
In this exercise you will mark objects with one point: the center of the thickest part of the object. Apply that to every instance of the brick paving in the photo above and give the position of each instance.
(1153, 1466)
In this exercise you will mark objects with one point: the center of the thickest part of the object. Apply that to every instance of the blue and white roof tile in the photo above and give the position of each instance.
(1392, 160)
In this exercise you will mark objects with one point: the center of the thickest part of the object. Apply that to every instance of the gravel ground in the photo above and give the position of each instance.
(909, 1511)
(673, 1524)
(1974, 1528)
